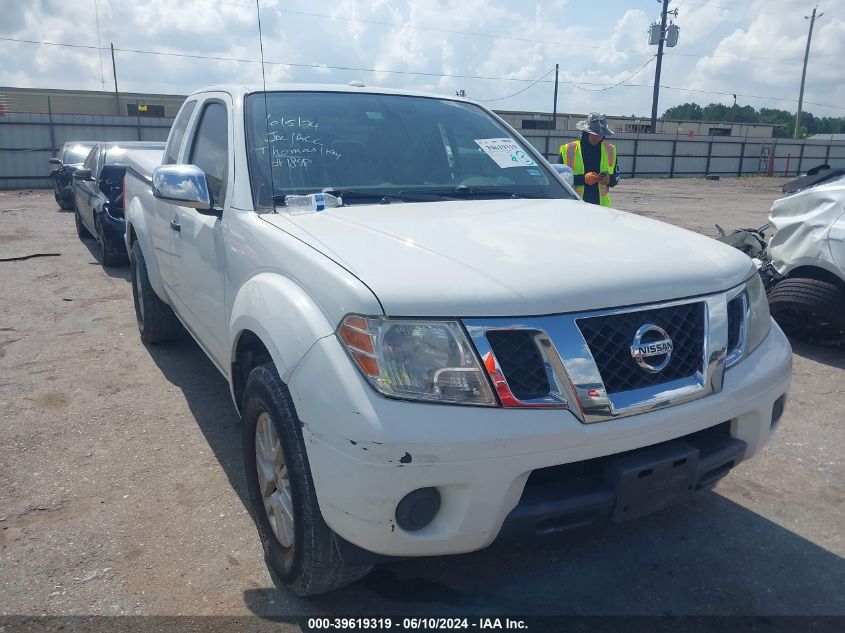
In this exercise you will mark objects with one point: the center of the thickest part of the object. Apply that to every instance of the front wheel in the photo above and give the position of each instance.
(156, 321)
(809, 310)
(298, 545)
(104, 254)
(81, 231)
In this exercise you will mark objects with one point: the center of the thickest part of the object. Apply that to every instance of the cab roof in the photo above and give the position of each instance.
(241, 90)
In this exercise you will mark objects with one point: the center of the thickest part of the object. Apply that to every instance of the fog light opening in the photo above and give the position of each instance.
(417, 509)
(777, 411)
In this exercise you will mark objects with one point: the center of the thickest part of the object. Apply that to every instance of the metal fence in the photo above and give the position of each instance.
(662, 156)
(28, 141)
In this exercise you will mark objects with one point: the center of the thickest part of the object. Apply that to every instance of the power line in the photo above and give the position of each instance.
(496, 36)
(742, 9)
(521, 91)
(611, 86)
(401, 72)
(272, 63)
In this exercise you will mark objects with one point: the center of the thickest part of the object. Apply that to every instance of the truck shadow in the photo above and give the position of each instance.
(120, 271)
(833, 356)
(206, 391)
(712, 556)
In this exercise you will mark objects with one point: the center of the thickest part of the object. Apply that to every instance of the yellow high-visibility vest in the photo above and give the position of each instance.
(570, 154)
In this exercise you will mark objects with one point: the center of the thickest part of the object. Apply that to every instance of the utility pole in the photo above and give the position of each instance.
(812, 20)
(553, 122)
(733, 114)
(659, 64)
(99, 47)
(114, 72)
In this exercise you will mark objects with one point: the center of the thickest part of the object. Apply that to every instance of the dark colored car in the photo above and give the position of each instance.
(70, 158)
(98, 196)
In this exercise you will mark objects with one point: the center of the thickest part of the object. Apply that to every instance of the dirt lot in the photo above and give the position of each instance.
(123, 489)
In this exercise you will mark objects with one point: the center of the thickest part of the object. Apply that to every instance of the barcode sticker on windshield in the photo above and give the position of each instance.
(505, 152)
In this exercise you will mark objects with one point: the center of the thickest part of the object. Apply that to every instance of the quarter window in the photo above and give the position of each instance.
(210, 151)
(177, 133)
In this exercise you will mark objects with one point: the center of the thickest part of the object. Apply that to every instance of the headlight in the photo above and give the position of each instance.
(430, 361)
(759, 320)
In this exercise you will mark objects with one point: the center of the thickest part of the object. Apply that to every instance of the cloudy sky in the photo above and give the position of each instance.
(489, 48)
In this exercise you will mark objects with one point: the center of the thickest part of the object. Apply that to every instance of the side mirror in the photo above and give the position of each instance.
(55, 161)
(83, 174)
(182, 185)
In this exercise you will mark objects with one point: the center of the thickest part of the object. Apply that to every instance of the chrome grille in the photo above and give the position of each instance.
(610, 337)
(521, 363)
(579, 353)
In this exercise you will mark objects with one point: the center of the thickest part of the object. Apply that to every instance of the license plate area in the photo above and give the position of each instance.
(653, 479)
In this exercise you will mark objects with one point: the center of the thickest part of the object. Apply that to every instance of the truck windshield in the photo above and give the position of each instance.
(76, 154)
(387, 147)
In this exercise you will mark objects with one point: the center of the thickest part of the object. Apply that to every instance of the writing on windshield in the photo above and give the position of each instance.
(294, 143)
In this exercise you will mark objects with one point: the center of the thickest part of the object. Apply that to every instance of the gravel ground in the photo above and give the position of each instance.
(123, 489)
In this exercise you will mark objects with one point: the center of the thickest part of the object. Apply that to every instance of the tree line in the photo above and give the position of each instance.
(783, 120)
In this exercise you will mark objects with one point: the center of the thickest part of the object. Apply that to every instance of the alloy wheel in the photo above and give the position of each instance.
(101, 240)
(274, 480)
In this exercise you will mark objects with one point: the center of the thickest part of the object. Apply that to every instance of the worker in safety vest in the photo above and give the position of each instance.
(592, 161)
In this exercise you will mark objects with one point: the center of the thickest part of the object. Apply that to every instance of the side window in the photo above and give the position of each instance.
(177, 133)
(210, 150)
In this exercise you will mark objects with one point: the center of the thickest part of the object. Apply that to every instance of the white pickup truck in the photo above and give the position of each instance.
(431, 341)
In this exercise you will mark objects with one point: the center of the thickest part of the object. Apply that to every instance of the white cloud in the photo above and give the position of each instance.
(720, 48)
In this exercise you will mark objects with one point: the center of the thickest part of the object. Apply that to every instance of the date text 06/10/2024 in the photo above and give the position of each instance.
(415, 624)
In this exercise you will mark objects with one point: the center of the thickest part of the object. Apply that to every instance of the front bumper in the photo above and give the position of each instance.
(367, 452)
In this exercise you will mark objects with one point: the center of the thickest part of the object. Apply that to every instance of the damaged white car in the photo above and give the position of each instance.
(803, 265)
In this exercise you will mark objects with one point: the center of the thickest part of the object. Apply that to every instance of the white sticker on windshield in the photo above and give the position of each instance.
(505, 152)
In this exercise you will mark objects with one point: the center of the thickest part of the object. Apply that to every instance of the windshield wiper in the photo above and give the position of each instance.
(348, 194)
(466, 191)
(423, 195)
(494, 192)
(379, 196)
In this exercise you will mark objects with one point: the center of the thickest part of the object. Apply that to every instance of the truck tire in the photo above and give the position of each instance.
(156, 321)
(107, 258)
(809, 310)
(81, 231)
(298, 545)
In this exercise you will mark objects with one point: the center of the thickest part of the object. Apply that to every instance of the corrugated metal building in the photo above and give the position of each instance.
(43, 101)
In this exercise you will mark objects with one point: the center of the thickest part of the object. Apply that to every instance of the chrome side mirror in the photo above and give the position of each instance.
(55, 161)
(566, 172)
(182, 185)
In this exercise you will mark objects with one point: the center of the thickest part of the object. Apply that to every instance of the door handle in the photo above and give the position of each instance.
(175, 225)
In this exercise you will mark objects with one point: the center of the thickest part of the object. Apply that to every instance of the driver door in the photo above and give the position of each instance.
(196, 238)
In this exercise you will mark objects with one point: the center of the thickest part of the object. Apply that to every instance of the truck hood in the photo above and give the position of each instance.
(514, 257)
